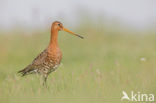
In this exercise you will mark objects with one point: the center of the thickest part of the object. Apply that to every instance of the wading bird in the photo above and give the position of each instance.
(48, 60)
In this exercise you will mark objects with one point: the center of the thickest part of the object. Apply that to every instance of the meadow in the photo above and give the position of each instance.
(93, 70)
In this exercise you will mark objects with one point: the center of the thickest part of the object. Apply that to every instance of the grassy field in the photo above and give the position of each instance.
(94, 70)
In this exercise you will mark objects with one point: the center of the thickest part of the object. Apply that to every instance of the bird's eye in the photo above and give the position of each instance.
(59, 24)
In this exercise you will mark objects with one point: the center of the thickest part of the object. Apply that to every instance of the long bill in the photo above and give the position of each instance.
(72, 33)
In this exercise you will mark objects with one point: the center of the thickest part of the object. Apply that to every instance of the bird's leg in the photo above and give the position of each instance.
(45, 80)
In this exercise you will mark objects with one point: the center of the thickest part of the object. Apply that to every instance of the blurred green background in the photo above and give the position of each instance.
(94, 70)
(113, 57)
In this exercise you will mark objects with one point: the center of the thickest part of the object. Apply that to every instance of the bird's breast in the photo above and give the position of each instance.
(55, 57)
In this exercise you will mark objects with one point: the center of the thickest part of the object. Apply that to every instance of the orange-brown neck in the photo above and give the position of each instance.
(53, 39)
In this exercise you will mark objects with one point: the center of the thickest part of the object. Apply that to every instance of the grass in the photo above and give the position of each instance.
(94, 70)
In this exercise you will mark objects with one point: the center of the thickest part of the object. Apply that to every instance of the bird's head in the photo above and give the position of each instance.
(59, 27)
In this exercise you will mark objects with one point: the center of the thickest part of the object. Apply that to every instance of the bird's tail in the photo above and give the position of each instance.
(25, 71)
(22, 72)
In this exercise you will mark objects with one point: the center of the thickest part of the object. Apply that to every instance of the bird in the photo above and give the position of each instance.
(48, 60)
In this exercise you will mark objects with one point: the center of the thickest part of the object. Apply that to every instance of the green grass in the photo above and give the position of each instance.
(94, 70)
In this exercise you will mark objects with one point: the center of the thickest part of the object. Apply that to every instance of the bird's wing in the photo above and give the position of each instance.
(36, 63)
(40, 58)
